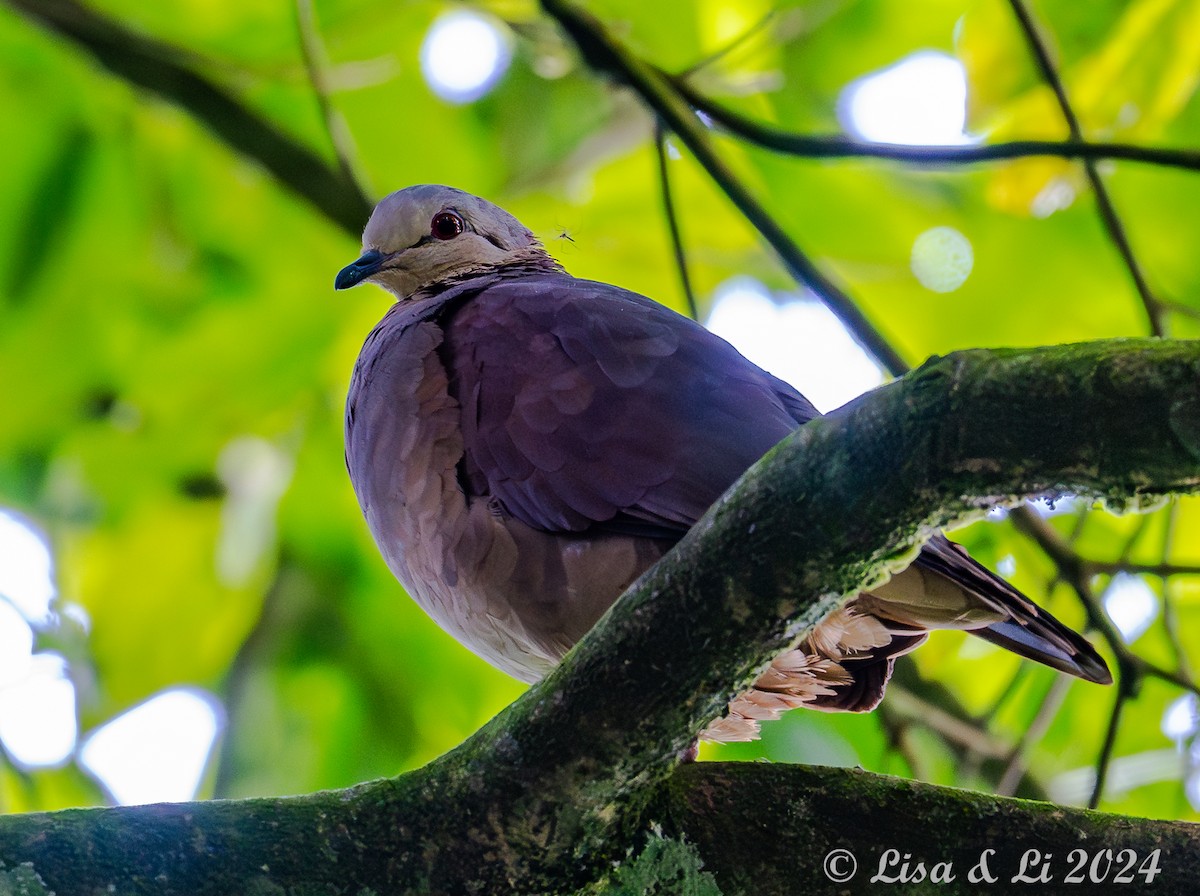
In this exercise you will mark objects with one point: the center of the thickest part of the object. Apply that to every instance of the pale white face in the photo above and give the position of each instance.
(421, 235)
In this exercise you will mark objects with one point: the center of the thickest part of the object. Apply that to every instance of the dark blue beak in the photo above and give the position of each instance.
(358, 271)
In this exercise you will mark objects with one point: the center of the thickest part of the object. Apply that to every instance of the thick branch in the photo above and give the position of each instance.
(157, 67)
(796, 817)
(566, 779)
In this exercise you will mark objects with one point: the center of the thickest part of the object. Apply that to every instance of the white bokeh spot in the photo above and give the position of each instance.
(37, 698)
(26, 568)
(1131, 604)
(919, 101)
(37, 714)
(255, 474)
(463, 55)
(157, 751)
(942, 259)
(1181, 718)
(800, 341)
(16, 645)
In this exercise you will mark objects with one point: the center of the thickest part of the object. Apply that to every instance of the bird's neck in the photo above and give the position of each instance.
(531, 259)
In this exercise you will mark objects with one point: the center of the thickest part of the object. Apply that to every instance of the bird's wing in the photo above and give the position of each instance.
(588, 407)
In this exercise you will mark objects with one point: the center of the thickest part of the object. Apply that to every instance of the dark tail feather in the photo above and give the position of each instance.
(1029, 631)
(1075, 656)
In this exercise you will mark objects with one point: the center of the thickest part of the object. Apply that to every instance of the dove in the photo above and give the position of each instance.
(525, 444)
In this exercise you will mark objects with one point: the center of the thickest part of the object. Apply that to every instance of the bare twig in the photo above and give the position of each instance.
(1048, 708)
(664, 181)
(1010, 689)
(1180, 679)
(605, 54)
(1161, 570)
(315, 66)
(903, 702)
(1132, 669)
(1108, 213)
(838, 146)
(1081, 520)
(736, 43)
(1074, 572)
(1180, 308)
(1170, 620)
(1139, 529)
(1110, 739)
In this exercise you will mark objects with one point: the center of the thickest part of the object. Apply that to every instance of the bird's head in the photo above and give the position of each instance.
(427, 234)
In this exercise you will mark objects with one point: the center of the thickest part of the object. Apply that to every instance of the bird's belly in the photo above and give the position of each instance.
(516, 596)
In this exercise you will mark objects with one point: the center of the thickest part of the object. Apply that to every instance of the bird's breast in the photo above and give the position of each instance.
(517, 596)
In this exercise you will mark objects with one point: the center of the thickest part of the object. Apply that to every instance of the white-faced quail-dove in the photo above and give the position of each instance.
(524, 444)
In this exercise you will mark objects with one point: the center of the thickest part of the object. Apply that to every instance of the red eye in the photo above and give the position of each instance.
(446, 225)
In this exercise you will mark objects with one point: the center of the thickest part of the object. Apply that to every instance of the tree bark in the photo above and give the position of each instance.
(778, 829)
(570, 778)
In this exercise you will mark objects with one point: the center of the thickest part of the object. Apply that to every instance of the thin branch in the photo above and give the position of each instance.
(901, 702)
(605, 54)
(1162, 570)
(1132, 669)
(897, 744)
(1072, 569)
(736, 43)
(1110, 740)
(1104, 204)
(980, 753)
(1180, 308)
(1077, 572)
(1140, 524)
(1048, 708)
(1178, 678)
(312, 50)
(664, 182)
(837, 146)
(156, 67)
(1169, 618)
(1082, 518)
(1010, 690)
(1129, 676)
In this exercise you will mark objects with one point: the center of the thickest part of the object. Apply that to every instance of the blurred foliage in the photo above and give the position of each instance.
(170, 341)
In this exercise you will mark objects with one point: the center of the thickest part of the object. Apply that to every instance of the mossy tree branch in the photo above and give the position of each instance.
(771, 829)
(569, 777)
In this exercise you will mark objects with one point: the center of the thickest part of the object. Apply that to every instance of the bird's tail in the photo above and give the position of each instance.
(1026, 629)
